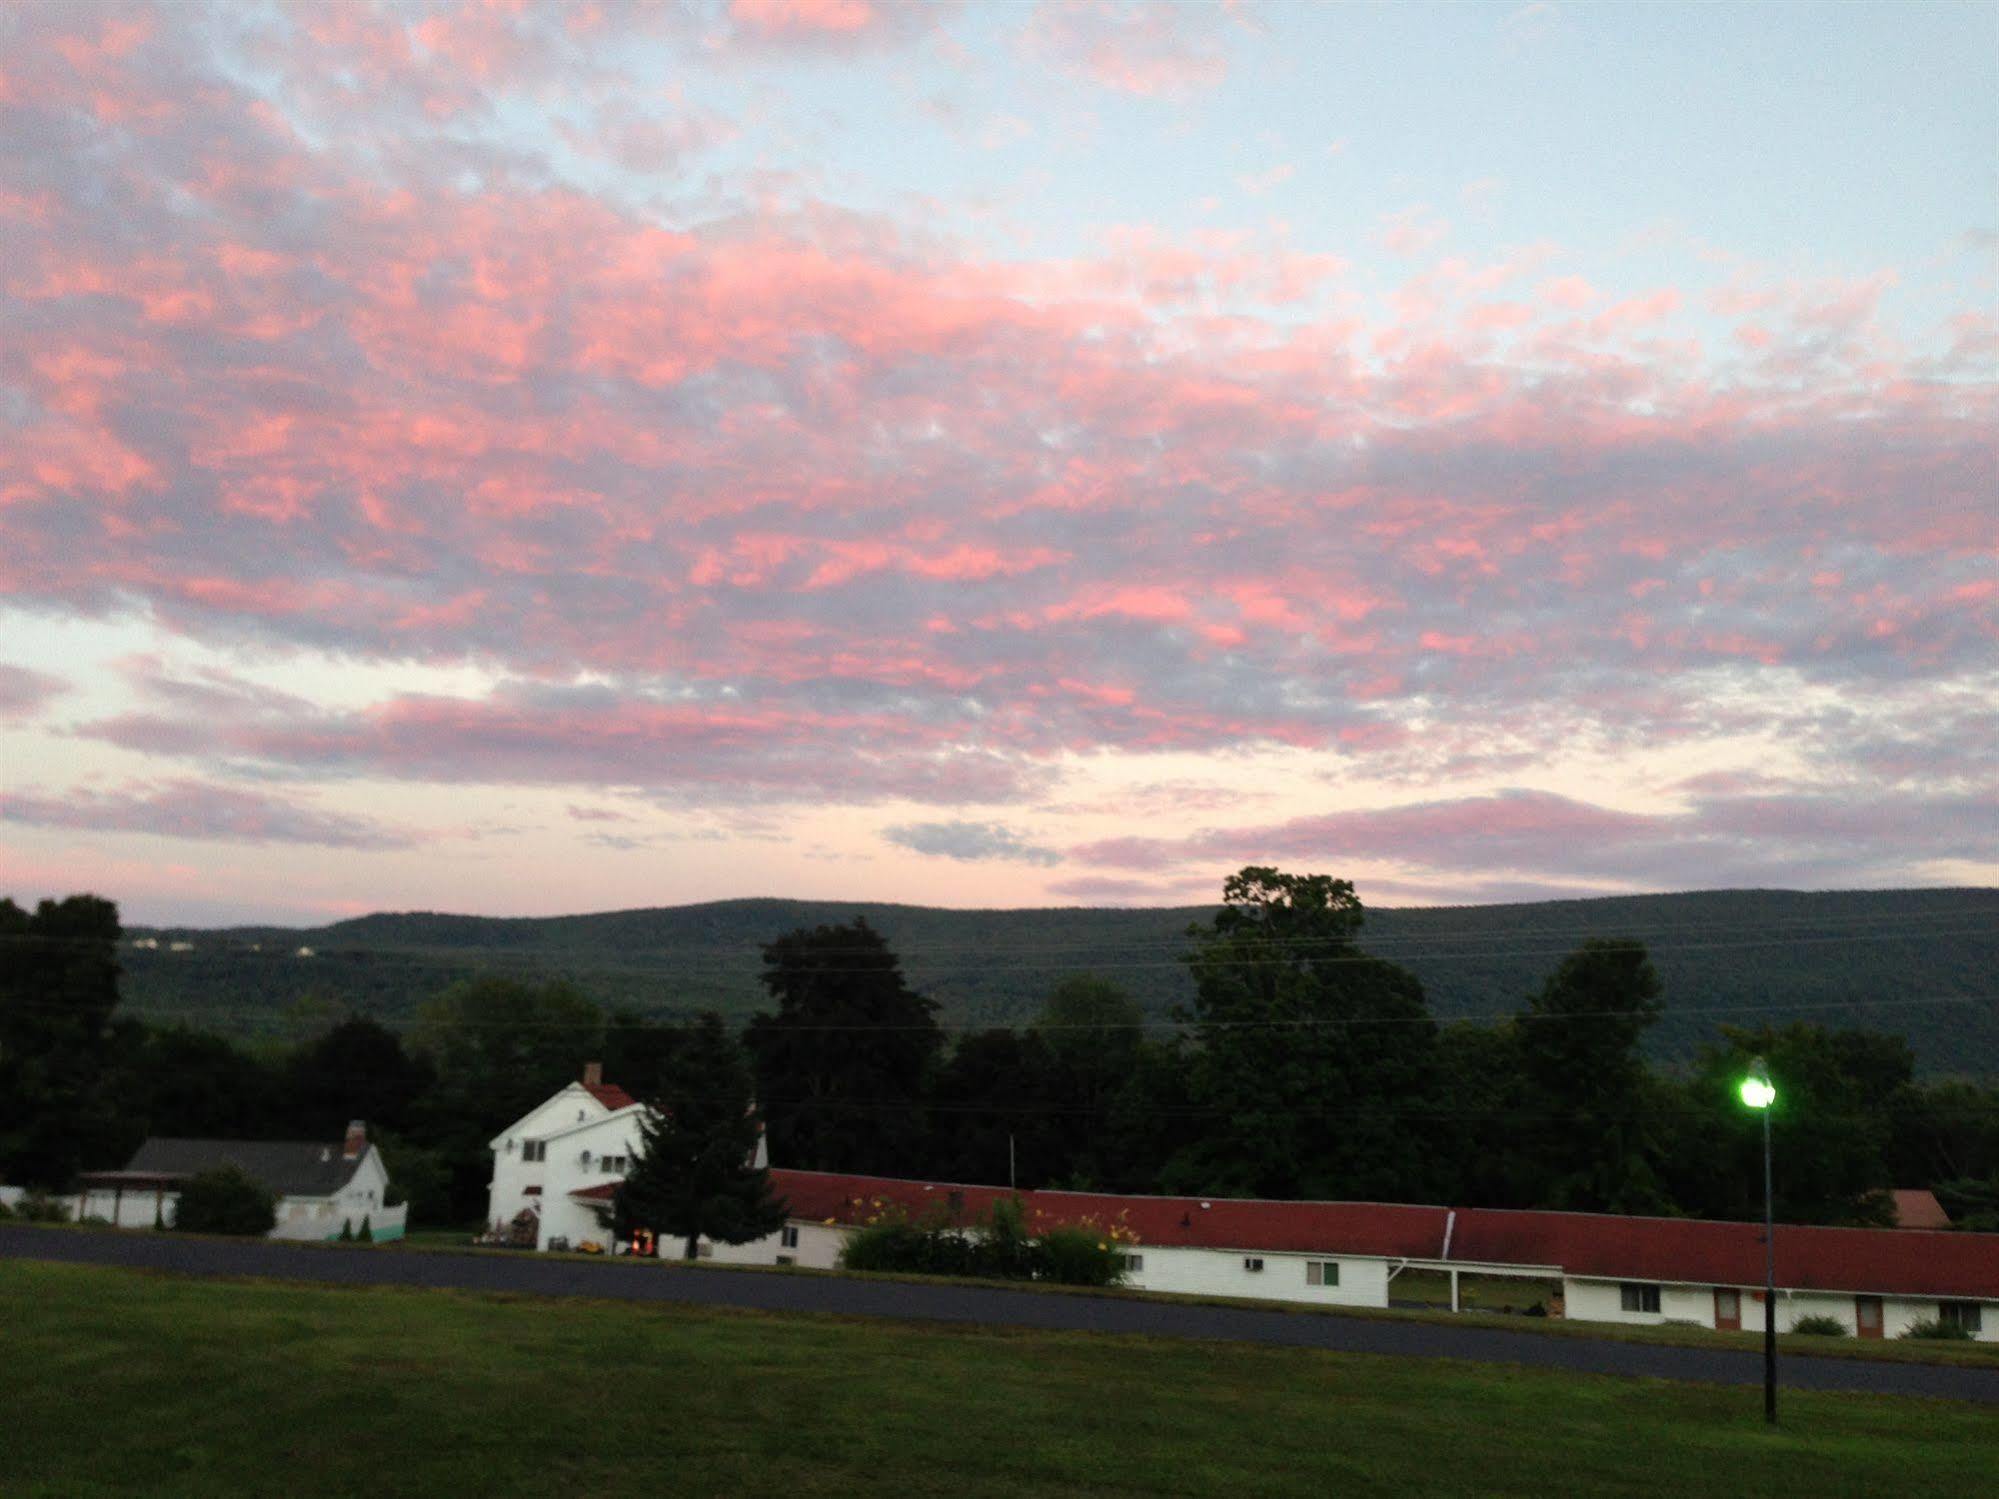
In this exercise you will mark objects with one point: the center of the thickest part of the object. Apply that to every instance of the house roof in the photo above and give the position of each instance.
(1390, 1229)
(1915, 1208)
(602, 1192)
(1879, 1261)
(286, 1168)
(610, 1095)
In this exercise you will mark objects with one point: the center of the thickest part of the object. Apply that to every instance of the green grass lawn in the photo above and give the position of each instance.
(116, 1382)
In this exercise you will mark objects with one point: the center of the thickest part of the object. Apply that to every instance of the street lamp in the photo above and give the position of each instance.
(1757, 1093)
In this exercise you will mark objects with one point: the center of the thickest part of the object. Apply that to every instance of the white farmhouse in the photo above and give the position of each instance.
(321, 1189)
(556, 1167)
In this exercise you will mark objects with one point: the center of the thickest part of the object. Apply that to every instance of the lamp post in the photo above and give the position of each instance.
(1757, 1093)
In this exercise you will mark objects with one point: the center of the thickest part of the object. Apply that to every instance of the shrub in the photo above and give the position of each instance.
(1001, 1249)
(367, 1234)
(5, 1212)
(1080, 1257)
(225, 1201)
(1939, 1330)
(347, 1230)
(39, 1207)
(1819, 1327)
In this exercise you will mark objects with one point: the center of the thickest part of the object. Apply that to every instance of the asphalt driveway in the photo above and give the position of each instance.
(841, 1296)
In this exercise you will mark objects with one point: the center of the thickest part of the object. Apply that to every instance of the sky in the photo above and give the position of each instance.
(490, 456)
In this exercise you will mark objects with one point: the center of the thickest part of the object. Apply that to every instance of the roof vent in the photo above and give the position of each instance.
(1206, 1205)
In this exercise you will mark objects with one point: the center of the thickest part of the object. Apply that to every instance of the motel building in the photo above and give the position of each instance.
(557, 1169)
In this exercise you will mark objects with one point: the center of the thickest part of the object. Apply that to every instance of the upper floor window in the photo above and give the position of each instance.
(534, 1150)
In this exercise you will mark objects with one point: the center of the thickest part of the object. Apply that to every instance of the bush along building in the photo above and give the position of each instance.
(322, 1190)
(557, 1169)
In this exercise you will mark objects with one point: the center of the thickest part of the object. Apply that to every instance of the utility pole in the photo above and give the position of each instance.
(1009, 1161)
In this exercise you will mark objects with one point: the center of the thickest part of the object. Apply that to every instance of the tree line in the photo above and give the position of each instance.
(1303, 1067)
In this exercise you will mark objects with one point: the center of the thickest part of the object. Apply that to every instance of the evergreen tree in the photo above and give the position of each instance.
(694, 1177)
(842, 1066)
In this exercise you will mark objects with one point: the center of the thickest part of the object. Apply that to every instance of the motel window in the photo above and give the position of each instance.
(1964, 1314)
(1637, 1298)
(1252, 1263)
(788, 1237)
(1322, 1272)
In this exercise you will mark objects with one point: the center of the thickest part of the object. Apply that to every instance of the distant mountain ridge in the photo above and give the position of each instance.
(1921, 963)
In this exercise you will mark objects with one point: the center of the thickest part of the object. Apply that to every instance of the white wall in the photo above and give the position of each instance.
(1221, 1272)
(1601, 1301)
(507, 1192)
(563, 1171)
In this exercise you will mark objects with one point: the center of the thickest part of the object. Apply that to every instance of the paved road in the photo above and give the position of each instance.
(625, 1281)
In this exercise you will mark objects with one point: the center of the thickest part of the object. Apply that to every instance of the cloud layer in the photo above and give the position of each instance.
(737, 495)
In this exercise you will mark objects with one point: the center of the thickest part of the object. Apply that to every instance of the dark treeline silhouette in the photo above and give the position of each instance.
(1303, 1067)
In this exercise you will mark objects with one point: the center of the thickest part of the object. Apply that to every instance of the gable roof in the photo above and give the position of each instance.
(1394, 1230)
(610, 1095)
(1877, 1261)
(286, 1168)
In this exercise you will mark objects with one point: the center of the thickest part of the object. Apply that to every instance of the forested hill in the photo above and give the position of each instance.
(1922, 963)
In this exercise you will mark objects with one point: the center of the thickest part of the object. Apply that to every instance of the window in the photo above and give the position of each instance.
(1253, 1264)
(1131, 1262)
(704, 1251)
(534, 1150)
(1635, 1298)
(788, 1237)
(613, 1164)
(786, 1259)
(1964, 1314)
(1322, 1272)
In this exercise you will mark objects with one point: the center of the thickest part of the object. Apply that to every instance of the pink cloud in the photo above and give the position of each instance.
(1144, 47)
(199, 810)
(25, 694)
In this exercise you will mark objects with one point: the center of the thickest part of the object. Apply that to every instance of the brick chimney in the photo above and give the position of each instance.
(357, 1141)
(593, 1074)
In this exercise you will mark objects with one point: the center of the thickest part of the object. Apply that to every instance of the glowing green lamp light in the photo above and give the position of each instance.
(1756, 1090)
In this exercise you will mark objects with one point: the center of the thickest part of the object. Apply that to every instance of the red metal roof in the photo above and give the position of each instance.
(602, 1192)
(610, 1095)
(1919, 1209)
(1878, 1261)
(1691, 1251)
(1388, 1229)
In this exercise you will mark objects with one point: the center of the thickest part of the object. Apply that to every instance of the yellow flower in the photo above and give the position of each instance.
(1102, 1245)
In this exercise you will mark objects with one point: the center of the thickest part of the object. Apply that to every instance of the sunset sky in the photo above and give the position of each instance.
(526, 458)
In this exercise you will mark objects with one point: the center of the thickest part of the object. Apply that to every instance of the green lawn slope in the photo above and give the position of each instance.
(118, 1383)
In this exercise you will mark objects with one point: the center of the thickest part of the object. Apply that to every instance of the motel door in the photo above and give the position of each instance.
(1727, 1309)
(1867, 1316)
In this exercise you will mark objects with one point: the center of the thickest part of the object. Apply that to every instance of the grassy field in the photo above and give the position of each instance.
(118, 1383)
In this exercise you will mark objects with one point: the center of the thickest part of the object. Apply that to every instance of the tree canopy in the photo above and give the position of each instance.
(695, 1175)
(842, 1066)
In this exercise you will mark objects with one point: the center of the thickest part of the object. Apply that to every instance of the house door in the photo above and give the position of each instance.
(1867, 1316)
(1727, 1309)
